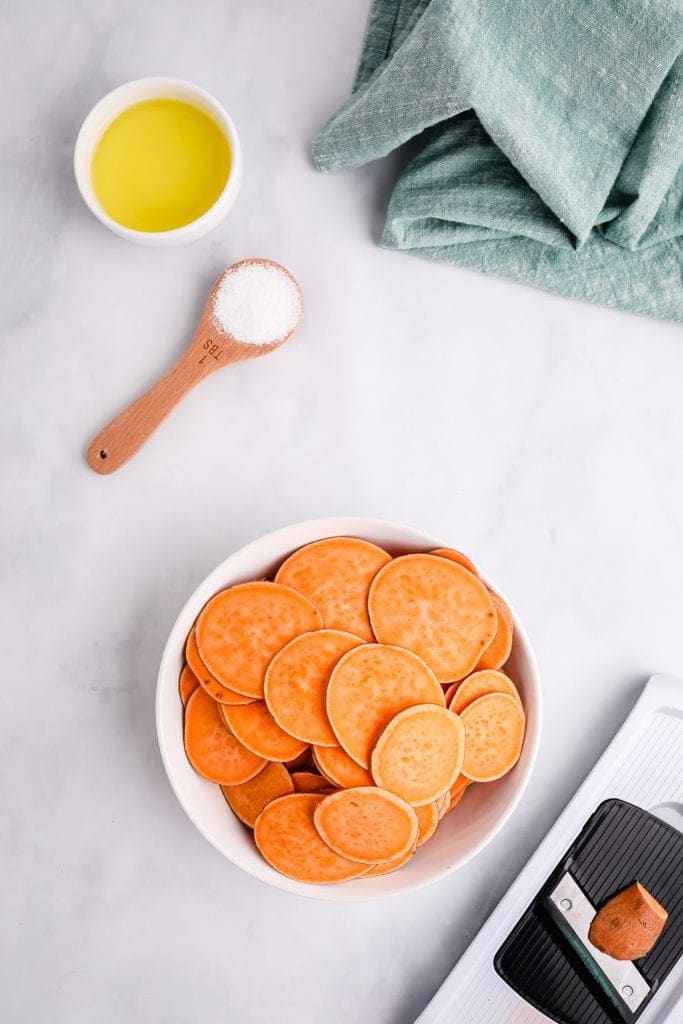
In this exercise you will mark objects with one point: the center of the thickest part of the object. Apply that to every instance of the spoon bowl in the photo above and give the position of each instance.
(212, 347)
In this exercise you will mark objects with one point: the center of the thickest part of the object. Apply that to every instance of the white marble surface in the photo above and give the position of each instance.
(544, 437)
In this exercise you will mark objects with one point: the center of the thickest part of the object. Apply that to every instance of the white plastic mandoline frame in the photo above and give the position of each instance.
(643, 765)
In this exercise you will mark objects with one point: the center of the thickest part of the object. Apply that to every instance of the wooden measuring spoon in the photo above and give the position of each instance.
(210, 349)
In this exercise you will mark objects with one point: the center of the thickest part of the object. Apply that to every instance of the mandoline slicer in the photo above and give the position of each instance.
(532, 961)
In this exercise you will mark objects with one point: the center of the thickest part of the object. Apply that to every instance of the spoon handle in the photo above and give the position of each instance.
(128, 431)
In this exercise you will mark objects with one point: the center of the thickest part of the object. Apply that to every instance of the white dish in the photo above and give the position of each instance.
(483, 810)
(114, 103)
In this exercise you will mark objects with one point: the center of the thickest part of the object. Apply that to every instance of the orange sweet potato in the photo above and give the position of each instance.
(296, 683)
(448, 693)
(288, 839)
(629, 924)
(494, 734)
(457, 790)
(428, 817)
(498, 651)
(249, 798)
(456, 556)
(366, 824)
(390, 865)
(302, 761)
(257, 730)
(369, 686)
(420, 753)
(335, 574)
(214, 689)
(187, 684)
(479, 683)
(436, 608)
(309, 782)
(241, 629)
(443, 804)
(211, 749)
(455, 800)
(339, 769)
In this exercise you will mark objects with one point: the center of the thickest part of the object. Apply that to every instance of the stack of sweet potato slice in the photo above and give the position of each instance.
(345, 706)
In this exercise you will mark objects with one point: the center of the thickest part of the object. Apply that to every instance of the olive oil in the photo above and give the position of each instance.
(160, 165)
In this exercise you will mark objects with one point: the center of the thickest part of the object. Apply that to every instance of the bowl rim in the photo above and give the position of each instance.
(127, 95)
(333, 527)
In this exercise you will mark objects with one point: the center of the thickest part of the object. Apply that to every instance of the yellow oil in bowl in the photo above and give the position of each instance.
(160, 165)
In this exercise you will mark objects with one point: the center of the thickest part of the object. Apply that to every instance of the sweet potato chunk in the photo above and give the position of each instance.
(629, 924)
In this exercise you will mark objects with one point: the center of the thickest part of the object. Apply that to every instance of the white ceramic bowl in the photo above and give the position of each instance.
(483, 810)
(109, 107)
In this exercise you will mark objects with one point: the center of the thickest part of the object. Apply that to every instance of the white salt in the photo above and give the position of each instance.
(257, 303)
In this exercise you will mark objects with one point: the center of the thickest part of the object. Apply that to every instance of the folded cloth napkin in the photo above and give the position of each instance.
(548, 140)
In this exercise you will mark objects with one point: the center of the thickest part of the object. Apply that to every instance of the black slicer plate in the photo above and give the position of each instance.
(619, 844)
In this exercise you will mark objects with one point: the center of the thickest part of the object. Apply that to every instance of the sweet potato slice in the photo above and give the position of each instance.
(420, 753)
(214, 689)
(211, 749)
(494, 734)
(187, 684)
(366, 824)
(448, 693)
(335, 574)
(435, 608)
(629, 924)
(257, 730)
(390, 865)
(289, 841)
(443, 804)
(479, 683)
(248, 799)
(457, 792)
(340, 769)
(241, 629)
(309, 782)
(456, 556)
(296, 683)
(455, 800)
(302, 761)
(428, 818)
(457, 789)
(368, 687)
(498, 651)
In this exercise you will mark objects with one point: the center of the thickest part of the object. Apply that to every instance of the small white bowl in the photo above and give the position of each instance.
(114, 103)
(483, 810)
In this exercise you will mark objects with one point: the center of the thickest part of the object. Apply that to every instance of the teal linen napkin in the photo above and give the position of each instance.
(547, 140)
